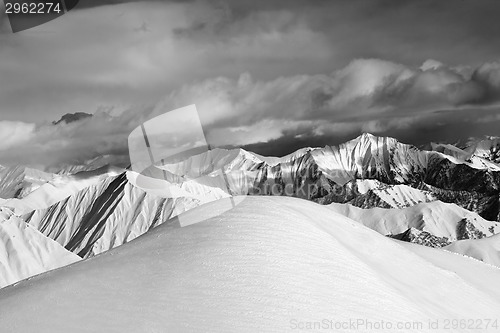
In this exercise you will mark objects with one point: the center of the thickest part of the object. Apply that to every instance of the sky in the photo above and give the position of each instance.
(271, 76)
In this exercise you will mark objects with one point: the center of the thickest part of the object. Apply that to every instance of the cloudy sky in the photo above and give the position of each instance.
(269, 75)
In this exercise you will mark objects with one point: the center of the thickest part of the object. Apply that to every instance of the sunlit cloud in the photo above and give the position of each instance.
(368, 95)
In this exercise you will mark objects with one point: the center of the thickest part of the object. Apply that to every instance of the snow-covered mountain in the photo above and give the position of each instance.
(488, 148)
(332, 174)
(318, 174)
(92, 211)
(370, 193)
(58, 188)
(436, 218)
(25, 252)
(96, 163)
(18, 181)
(268, 265)
(115, 211)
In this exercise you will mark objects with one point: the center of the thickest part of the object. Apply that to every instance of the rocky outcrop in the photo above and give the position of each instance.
(416, 236)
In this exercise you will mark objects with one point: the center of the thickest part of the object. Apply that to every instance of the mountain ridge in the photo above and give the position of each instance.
(116, 206)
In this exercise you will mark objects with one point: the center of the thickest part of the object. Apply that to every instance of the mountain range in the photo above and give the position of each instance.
(447, 198)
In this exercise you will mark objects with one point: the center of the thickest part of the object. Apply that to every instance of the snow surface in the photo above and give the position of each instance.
(474, 272)
(253, 268)
(438, 218)
(25, 252)
(485, 249)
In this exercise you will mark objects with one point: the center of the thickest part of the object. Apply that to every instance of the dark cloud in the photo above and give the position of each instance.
(132, 51)
(82, 4)
(101, 56)
(281, 115)
(406, 31)
(487, 77)
(289, 73)
(443, 127)
(4, 20)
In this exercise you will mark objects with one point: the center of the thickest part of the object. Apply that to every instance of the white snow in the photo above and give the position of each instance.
(263, 266)
(25, 252)
(475, 156)
(485, 249)
(58, 188)
(367, 156)
(438, 218)
(204, 189)
(271, 160)
(401, 196)
(475, 273)
(119, 209)
(19, 180)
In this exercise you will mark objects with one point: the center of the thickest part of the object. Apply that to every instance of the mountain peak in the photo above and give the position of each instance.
(72, 117)
(367, 135)
(368, 138)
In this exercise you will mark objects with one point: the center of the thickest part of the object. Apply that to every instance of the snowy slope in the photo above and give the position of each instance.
(25, 252)
(94, 211)
(57, 189)
(392, 196)
(367, 157)
(438, 218)
(315, 173)
(470, 270)
(90, 165)
(117, 210)
(213, 160)
(263, 266)
(400, 196)
(372, 157)
(18, 181)
(485, 249)
(272, 160)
